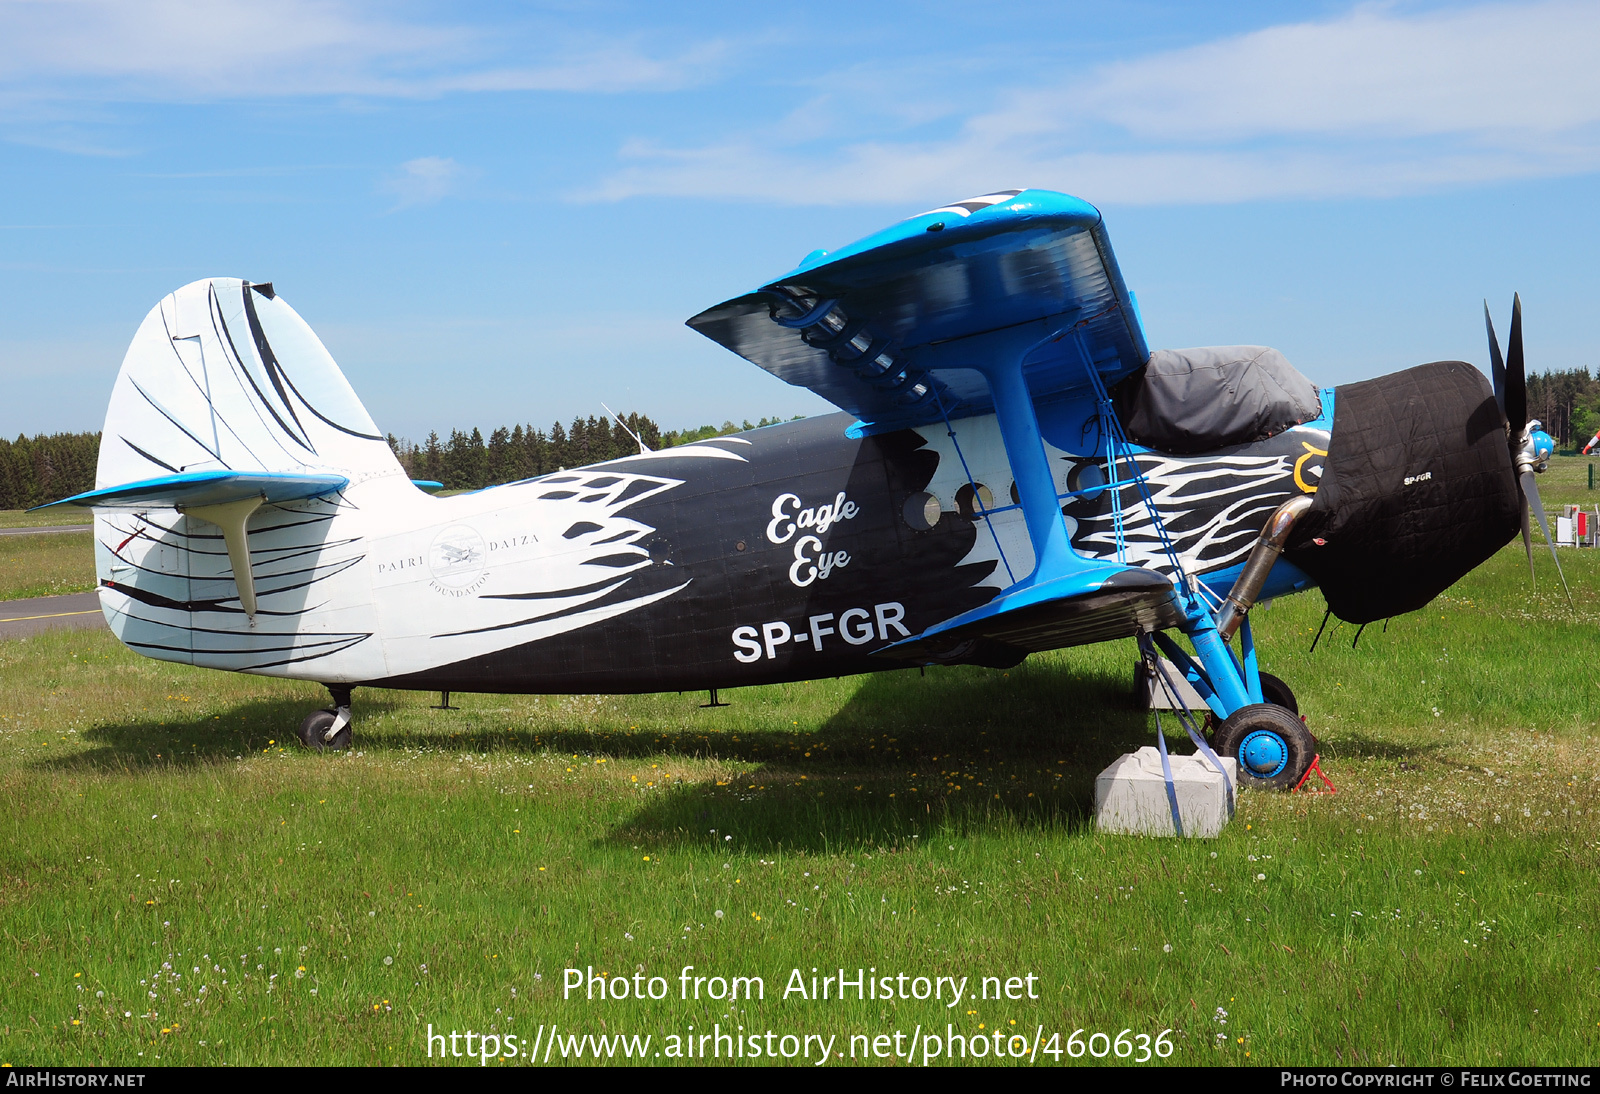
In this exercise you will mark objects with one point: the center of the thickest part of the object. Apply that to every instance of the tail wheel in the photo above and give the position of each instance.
(313, 732)
(1273, 746)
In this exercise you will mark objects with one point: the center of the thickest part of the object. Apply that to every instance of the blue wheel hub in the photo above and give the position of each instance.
(1264, 753)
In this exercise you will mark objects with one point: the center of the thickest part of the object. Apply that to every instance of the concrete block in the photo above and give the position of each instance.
(1151, 695)
(1130, 796)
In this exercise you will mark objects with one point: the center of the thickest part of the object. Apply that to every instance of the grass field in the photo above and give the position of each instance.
(180, 883)
(22, 518)
(46, 565)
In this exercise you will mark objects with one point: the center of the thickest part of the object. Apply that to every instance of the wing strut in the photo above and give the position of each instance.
(1000, 361)
(231, 517)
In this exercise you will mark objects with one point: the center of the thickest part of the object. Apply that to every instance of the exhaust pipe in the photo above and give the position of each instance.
(1242, 597)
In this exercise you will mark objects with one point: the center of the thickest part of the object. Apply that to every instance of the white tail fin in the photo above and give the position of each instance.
(222, 375)
(231, 446)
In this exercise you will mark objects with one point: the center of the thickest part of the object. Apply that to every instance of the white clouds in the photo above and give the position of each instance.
(202, 47)
(608, 68)
(53, 50)
(1386, 99)
(425, 180)
(1375, 103)
(1494, 69)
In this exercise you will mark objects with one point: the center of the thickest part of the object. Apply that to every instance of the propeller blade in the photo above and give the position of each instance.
(1530, 493)
(1496, 362)
(1516, 379)
(1527, 543)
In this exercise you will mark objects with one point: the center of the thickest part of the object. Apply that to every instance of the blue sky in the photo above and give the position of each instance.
(504, 212)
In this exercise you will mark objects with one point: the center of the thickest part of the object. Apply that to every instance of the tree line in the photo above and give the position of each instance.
(36, 470)
(46, 468)
(465, 461)
(1568, 403)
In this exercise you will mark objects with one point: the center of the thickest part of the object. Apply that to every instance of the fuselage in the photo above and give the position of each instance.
(790, 552)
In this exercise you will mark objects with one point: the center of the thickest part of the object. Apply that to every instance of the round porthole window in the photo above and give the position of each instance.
(1087, 477)
(922, 511)
(968, 501)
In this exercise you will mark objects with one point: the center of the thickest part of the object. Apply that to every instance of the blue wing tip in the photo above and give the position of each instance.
(972, 216)
(207, 487)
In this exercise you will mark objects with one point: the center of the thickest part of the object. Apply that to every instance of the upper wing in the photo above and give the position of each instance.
(857, 326)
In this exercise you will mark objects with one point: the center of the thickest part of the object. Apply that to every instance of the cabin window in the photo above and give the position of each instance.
(970, 501)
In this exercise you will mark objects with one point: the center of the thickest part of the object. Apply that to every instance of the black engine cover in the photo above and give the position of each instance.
(1417, 490)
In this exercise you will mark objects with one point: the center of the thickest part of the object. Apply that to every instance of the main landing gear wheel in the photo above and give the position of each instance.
(1275, 691)
(314, 731)
(1273, 746)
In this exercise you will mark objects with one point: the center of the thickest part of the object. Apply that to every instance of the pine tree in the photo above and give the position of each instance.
(560, 454)
(433, 459)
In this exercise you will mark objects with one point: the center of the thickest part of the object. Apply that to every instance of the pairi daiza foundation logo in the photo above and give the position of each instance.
(456, 560)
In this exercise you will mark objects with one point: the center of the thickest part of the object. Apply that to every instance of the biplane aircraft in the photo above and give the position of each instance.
(1013, 471)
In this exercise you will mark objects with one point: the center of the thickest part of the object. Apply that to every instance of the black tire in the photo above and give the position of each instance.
(316, 725)
(1276, 745)
(1275, 691)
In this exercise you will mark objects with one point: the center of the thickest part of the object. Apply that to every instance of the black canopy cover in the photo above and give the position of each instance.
(1187, 401)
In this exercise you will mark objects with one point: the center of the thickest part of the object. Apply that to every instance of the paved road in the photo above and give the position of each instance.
(77, 611)
(45, 530)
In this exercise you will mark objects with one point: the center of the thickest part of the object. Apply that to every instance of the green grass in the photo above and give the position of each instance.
(1437, 910)
(1567, 482)
(22, 518)
(46, 565)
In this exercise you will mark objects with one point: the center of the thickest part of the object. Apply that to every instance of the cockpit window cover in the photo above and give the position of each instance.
(1187, 401)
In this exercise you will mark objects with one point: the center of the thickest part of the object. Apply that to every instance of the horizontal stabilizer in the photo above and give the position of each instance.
(224, 498)
(205, 488)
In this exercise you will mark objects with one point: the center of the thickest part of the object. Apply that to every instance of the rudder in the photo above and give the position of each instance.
(223, 375)
(232, 445)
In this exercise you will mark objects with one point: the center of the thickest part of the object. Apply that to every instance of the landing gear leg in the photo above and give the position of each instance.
(329, 729)
(1262, 728)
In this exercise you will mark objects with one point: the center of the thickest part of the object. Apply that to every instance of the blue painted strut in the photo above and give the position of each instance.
(1230, 685)
(1222, 671)
(1030, 466)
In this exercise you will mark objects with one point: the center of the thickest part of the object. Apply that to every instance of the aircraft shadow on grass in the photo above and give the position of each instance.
(1039, 730)
(1018, 748)
(179, 740)
(907, 756)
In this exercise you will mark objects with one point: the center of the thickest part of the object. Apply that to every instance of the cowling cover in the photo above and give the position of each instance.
(1187, 401)
(1417, 491)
